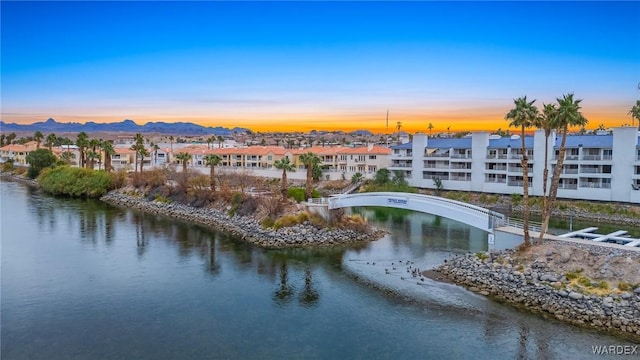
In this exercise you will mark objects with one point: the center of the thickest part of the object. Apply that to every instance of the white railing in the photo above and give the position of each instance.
(517, 223)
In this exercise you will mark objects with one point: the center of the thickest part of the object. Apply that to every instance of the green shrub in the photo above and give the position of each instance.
(7, 165)
(624, 286)
(571, 275)
(290, 220)
(75, 182)
(298, 194)
(516, 199)
(162, 199)
(267, 222)
(584, 281)
(39, 160)
(603, 285)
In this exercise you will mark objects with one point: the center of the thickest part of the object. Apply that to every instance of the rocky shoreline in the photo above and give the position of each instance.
(18, 178)
(534, 286)
(245, 227)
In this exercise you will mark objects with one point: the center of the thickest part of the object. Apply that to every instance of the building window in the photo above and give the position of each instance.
(372, 157)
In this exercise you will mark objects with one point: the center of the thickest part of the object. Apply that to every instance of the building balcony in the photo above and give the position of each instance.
(568, 186)
(592, 157)
(436, 155)
(461, 156)
(496, 180)
(595, 185)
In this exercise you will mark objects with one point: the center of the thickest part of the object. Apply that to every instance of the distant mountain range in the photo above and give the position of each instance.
(128, 126)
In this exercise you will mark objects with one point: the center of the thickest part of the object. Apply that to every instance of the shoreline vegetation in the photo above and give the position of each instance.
(586, 285)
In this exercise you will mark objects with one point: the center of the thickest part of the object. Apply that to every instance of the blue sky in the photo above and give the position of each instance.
(315, 65)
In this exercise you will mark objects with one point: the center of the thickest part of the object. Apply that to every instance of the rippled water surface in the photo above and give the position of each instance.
(83, 280)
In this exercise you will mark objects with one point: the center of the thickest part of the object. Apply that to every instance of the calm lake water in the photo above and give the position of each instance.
(84, 280)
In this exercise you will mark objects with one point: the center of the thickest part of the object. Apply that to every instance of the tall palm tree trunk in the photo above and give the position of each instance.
(309, 190)
(555, 181)
(545, 179)
(284, 183)
(525, 191)
(212, 179)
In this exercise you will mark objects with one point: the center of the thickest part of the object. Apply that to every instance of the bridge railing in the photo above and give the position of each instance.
(494, 217)
(517, 223)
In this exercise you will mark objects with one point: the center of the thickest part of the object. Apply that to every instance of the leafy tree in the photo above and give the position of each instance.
(382, 176)
(38, 160)
(284, 165)
(316, 172)
(524, 115)
(569, 115)
(398, 178)
(2, 139)
(10, 138)
(37, 136)
(356, 178)
(635, 113)
(212, 160)
(309, 159)
(437, 182)
(72, 181)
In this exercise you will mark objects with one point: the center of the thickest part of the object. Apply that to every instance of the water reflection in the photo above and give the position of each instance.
(182, 289)
(285, 292)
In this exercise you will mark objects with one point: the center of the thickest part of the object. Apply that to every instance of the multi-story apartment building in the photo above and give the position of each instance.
(335, 161)
(596, 167)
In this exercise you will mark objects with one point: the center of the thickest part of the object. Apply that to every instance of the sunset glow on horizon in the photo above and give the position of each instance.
(300, 66)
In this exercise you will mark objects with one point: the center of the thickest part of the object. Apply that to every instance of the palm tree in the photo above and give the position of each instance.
(212, 160)
(109, 151)
(140, 151)
(92, 156)
(2, 138)
(37, 136)
(568, 115)
(93, 144)
(184, 158)
(430, 127)
(171, 145)
(67, 157)
(546, 121)
(220, 140)
(284, 165)
(523, 115)
(82, 141)
(635, 113)
(50, 140)
(309, 160)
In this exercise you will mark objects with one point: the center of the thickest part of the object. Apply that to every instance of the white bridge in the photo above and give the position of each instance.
(472, 215)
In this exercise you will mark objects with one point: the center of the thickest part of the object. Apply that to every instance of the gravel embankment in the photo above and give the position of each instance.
(246, 227)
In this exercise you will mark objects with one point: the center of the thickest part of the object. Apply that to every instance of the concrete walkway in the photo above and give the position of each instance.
(535, 235)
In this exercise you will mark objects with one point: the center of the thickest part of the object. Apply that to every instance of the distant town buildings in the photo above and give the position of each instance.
(604, 166)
